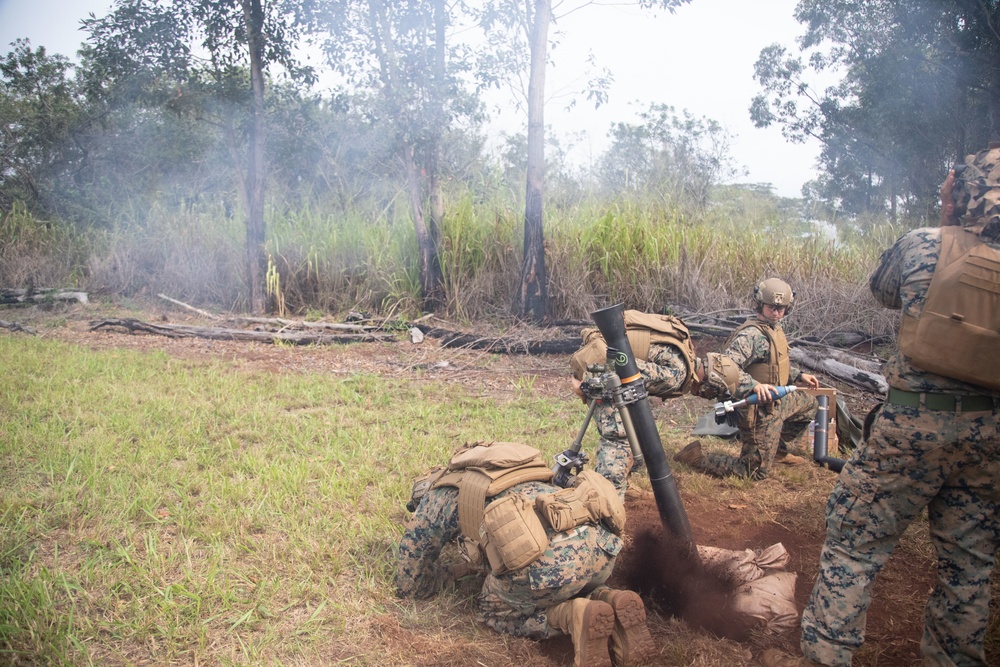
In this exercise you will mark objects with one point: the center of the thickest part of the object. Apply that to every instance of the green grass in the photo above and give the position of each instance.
(155, 508)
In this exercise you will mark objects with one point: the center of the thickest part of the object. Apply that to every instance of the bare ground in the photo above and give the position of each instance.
(724, 513)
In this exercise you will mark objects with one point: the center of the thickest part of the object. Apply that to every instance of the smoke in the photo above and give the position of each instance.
(665, 573)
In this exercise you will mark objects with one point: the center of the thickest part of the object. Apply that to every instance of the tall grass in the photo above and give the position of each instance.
(40, 253)
(639, 250)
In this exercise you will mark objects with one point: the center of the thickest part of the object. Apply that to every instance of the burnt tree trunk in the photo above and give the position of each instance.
(531, 301)
(253, 14)
(431, 278)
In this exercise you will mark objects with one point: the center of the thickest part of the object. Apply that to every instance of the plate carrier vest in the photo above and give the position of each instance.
(957, 334)
(776, 369)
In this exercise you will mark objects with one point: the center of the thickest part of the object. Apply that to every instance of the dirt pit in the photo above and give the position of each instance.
(672, 586)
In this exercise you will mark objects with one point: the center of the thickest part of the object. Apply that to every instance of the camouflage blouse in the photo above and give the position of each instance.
(751, 346)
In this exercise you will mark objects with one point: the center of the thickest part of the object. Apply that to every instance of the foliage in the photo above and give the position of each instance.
(678, 155)
(206, 59)
(916, 95)
(143, 142)
(634, 248)
(41, 118)
(36, 253)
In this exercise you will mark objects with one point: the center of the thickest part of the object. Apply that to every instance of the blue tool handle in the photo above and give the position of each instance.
(779, 392)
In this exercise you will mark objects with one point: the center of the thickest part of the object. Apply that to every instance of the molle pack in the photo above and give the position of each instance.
(643, 330)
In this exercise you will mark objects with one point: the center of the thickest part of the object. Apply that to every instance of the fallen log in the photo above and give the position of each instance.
(203, 313)
(219, 333)
(710, 329)
(10, 296)
(870, 364)
(14, 326)
(856, 377)
(501, 345)
(278, 321)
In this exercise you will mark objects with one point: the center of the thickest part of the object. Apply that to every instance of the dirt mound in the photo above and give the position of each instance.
(667, 579)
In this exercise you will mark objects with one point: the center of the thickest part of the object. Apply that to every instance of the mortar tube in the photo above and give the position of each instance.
(611, 323)
(821, 437)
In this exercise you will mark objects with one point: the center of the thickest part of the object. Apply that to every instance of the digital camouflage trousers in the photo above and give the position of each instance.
(946, 462)
(762, 431)
(574, 565)
(614, 458)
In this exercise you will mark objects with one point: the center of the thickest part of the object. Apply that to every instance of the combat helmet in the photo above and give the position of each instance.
(722, 375)
(977, 192)
(773, 292)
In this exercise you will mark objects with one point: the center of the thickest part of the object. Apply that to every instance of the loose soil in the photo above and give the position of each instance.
(787, 508)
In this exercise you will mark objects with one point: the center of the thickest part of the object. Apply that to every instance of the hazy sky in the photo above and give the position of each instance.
(700, 58)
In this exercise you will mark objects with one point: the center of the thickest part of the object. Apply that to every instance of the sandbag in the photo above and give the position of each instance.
(741, 567)
(768, 603)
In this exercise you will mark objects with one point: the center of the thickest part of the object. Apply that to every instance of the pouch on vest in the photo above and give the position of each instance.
(422, 484)
(591, 499)
(512, 535)
(593, 353)
(642, 330)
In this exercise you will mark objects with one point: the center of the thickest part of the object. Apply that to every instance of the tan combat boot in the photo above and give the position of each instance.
(691, 454)
(791, 460)
(772, 657)
(631, 642)
(589, 623)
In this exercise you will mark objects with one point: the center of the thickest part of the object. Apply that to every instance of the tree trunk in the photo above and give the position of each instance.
(434, 150)
(431, 280)
(253, 14)
(532, 299)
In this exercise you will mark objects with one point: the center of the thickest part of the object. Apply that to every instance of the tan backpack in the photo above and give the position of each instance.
(642, 330)
(481, 470)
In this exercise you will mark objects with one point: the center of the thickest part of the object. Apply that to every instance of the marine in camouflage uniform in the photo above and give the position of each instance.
(548, 598)
(767, 428)
(665, 373)
(928, 448)
(560, 546)
(575, 563)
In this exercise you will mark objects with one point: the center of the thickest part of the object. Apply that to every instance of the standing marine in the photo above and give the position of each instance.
(935, 444)
(760, 350)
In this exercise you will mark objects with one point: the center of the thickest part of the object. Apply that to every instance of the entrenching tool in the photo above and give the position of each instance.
(723, 408)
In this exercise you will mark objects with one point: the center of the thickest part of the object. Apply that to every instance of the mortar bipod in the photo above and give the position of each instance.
(603, 387)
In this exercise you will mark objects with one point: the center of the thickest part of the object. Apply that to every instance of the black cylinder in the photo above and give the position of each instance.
(821, 437)
(611, 323)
